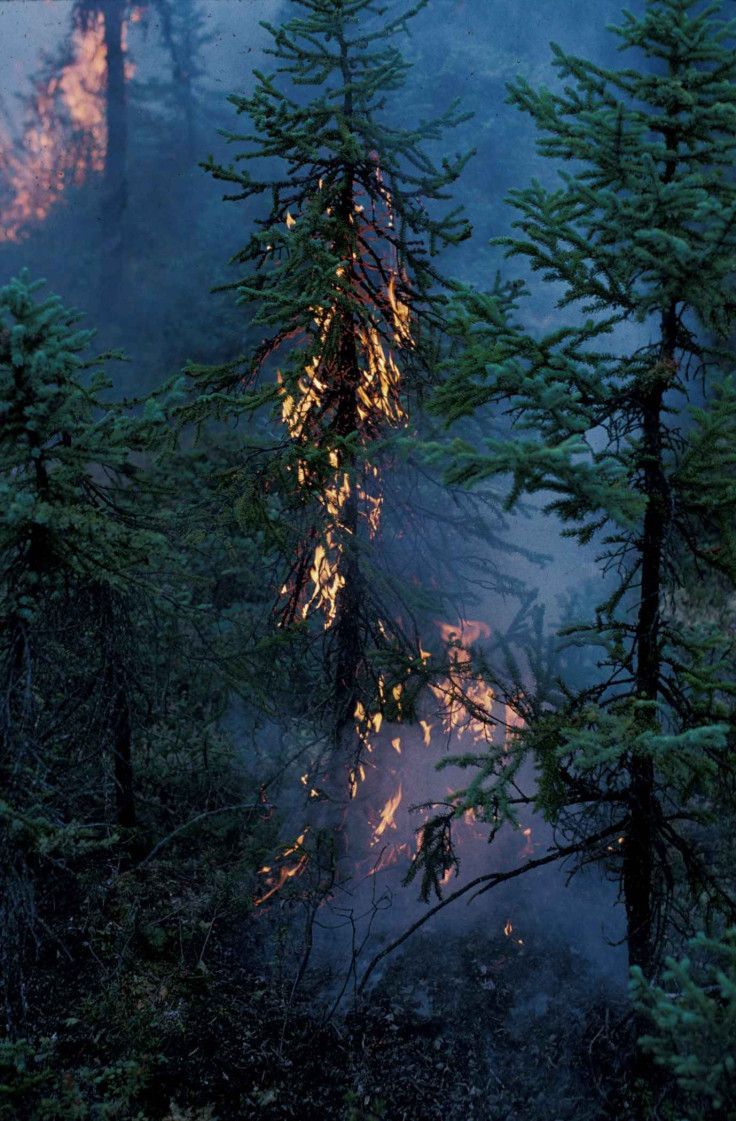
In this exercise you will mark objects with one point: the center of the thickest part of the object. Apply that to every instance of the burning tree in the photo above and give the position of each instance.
(64, 138)
(341, 271)
(640, 238)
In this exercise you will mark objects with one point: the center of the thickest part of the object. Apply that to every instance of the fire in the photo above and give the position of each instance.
(528, 849)
(509, 930)
(389, 857)
(310, 407)
(388, 815)
(466, 633)
(465, 700)
(286, 872)
(66, 140)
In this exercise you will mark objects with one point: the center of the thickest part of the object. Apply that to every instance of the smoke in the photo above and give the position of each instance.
(467, 50)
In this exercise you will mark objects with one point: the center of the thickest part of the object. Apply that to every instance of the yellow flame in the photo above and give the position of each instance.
(305, 409)
(388, 813)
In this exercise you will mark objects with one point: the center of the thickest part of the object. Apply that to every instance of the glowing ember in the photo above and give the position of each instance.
(528, 848)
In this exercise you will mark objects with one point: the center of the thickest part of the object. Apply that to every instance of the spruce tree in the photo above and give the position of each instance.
(340, 269)
(639, 240)
(81, 556)
(693, 1014)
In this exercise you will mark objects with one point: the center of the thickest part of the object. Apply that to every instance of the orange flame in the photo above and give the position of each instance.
(305, 409)
(388, 815)
(286, 872)
(59, 147)
(465, 700)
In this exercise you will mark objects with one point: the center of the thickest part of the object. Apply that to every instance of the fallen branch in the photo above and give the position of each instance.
(489, 880)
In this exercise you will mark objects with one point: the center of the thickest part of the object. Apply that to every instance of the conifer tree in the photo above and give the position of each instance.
(111, 13)
(639, 239)
(183, 34)
(693, 1014)
(79, 553)
(340, 268)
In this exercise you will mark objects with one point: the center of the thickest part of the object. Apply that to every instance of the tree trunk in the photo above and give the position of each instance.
(115, 185)
(347, 420)
(122, 737)
(181, 51)
(639, 851)
(347, 624)
(638, 866)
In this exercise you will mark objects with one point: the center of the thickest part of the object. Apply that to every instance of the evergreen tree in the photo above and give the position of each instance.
(182, 31)
(115, 174)
(639, 240)
(340, 269)
(79, 555)
(694, 1017)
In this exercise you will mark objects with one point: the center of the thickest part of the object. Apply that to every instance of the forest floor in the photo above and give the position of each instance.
(174, 1011)
(457, 1028)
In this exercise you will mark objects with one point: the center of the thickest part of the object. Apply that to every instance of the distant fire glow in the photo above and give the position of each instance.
(65, 139)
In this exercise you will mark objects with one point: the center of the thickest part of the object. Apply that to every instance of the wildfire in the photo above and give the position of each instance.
(65, 141)
(465, 700)
(388, 816)
(378, 405)
(286, 872)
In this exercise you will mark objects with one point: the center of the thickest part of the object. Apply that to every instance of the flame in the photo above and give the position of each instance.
(308, 409)
(59, 147)
(528, 849)
(466, 633)
(465, 699)
(388, 857)
(286, 872)
(388, 814)
(508, 929)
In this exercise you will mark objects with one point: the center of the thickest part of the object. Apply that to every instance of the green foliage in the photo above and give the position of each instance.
(60, 518)
(639, 241)
(340, 273)
(694, 1016)
(30, 1087)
